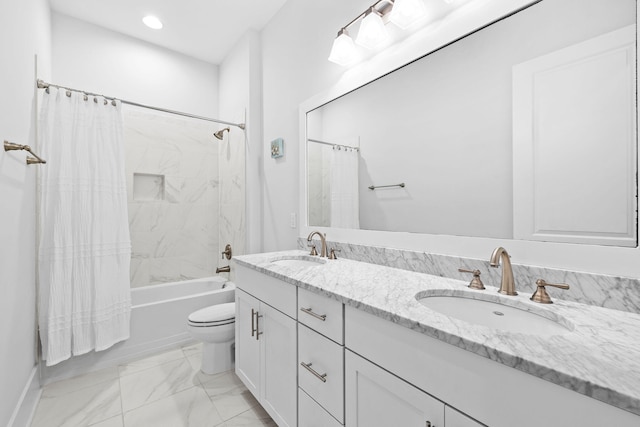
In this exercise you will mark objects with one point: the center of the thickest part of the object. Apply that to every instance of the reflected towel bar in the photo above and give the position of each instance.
(317, 141)
(10, 146)
(373, 187)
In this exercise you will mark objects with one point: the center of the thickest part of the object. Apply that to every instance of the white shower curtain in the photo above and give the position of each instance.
(84, 247)
(345, 211)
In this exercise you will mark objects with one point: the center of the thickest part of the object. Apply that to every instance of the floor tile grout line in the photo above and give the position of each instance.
(211, 400)
(198, 380)
(120, 374)
(154, 401)
(121, 399)
(92, 384)
(158, 398)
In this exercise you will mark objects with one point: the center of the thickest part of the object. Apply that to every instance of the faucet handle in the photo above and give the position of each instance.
(313, 252)
(541, 295)
(332, 253)
(475, 283)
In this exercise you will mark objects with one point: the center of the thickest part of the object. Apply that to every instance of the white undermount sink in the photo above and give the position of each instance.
(299, 261)
(496, 312)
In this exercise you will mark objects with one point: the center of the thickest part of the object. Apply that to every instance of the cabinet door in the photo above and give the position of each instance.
(278, 363)
(247, 346)
(374, 397)
(454, 418)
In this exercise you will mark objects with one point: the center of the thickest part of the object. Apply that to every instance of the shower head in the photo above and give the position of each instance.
(220, 133)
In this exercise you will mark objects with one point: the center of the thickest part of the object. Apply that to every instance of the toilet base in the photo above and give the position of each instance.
(217, 357)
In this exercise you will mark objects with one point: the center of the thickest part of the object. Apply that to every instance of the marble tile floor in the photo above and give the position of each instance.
(164, 390)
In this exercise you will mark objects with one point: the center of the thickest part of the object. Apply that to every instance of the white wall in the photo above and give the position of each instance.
(24, 32)
(91, 58)
(295, 47)
(240, 158)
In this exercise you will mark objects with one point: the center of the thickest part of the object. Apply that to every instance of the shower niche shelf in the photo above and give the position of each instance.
(148, 187)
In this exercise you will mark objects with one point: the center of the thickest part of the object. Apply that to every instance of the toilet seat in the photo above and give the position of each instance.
(216, 315)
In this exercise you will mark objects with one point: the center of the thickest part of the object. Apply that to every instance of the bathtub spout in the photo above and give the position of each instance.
(226, 269)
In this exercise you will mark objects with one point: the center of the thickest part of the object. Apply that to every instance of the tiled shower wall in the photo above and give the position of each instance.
(173, 196)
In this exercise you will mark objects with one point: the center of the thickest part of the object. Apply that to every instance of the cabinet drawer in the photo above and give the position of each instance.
(278, 294)
(310, 414)
(457, 419)
(323, 376)
(322, 314)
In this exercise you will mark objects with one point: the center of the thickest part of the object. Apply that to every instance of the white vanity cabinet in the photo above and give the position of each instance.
(313, 362)
(311, 414)
(266, 343)
(487, 391)
(374, 397)
(453, 418)
(320, 360)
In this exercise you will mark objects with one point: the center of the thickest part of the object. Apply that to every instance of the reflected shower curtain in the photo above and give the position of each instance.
(345, 204)
(84, 246)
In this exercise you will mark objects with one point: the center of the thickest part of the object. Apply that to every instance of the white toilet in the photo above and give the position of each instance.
(215, 327)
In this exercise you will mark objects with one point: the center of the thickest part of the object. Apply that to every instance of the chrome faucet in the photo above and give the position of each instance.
(323, 250)
(507, 285)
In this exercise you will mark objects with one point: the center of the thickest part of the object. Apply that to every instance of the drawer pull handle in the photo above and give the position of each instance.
(310, 312)
(321, 377)
(253, 323)
(258, 333)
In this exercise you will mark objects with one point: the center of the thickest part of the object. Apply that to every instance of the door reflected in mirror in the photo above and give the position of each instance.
(525, 129)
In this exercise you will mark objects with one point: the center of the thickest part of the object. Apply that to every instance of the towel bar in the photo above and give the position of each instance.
(10, 146)
(373, 187)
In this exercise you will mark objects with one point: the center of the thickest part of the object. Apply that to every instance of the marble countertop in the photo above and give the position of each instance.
(599, 358)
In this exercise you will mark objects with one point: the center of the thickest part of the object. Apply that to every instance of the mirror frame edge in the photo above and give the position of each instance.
(618, 261)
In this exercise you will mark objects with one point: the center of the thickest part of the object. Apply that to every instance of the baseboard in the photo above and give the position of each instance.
(119, 354)
(26, 407)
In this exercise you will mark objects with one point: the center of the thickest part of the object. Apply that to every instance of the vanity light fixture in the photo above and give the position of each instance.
(152, 22)
(407, 12)
(372, 32)
(343, 51)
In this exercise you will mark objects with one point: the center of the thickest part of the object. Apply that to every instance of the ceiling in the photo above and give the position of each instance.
(203, 29)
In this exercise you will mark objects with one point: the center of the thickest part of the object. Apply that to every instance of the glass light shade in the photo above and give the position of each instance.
(407, 12)
(372, 32)
(152, 22)
(343, 51)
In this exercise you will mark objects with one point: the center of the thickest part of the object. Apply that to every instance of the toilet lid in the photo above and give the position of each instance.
(223, 313)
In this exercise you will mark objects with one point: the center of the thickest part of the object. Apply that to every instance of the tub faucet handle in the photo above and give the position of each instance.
(227, 252)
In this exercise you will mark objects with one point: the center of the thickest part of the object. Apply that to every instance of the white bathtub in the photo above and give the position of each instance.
(159, 312)
(158, 322)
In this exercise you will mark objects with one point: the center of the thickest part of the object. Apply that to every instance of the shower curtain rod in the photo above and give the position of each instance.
(317, 141)
(44, 85)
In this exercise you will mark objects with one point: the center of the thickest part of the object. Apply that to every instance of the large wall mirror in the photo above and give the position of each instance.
(525, 129)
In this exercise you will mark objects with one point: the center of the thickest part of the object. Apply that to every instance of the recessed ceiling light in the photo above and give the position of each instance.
(152, 22)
